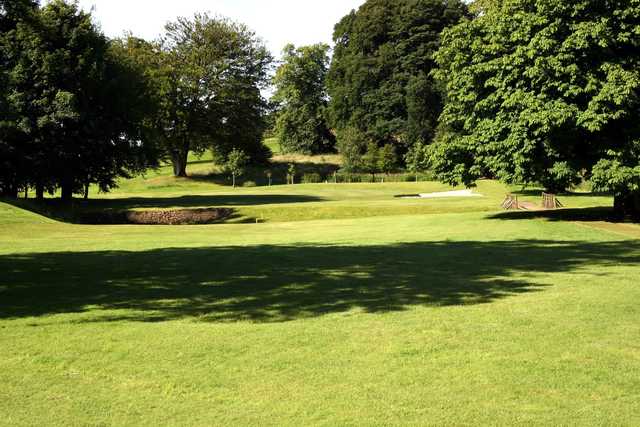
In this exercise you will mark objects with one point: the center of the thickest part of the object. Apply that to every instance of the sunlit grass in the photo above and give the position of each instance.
(343, 305)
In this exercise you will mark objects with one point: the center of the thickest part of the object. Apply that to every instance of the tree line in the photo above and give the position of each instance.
(524, 91)
(77, 108)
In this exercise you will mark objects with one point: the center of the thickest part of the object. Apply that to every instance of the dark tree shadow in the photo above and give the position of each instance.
(281, 283)
(200, 201)
(279, 174)
(537, 192)
(593, 214)
(80, 211)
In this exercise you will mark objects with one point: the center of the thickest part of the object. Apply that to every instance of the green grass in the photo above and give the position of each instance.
(274, 145)
(345, 306)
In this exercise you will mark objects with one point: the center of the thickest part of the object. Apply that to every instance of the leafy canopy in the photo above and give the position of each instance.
(302, 98)
(66, 129)
(379, 81)
(207, 74)
(539, 91)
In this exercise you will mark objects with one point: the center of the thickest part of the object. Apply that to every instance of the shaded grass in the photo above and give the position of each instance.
(446, 319)
(313, 201)
(379, 311)
(286, 283)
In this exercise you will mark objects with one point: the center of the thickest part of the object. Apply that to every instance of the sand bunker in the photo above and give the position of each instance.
(158, 217)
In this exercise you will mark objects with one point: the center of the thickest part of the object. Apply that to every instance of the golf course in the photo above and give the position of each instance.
(328, 304)
(338, 213)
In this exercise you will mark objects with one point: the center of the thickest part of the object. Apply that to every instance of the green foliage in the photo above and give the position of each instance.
(387, 159)
(351, 145)
(13, 148)
(480, 7)
(362, 155)
(291, 173)
(311, 178)
(538, 90)
(379, 79)
(560, 177)
(302, 100)
(417, 159)
(371, 159)
(207, 74)
(235, 164)
(620, 174)
(66, 128)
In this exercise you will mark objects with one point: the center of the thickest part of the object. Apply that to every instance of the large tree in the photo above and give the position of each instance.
(379, 81)
(209, 74)
(540, 90)
(13, 13)
(302, 98)
(66, 126)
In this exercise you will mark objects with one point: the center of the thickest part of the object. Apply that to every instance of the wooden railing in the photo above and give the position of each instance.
(511, 202)
(550, 201)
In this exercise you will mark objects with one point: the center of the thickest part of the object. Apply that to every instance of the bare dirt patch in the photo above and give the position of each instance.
(159, 217)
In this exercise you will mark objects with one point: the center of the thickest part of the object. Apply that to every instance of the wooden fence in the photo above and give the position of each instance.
(550, 201)
(511, 202)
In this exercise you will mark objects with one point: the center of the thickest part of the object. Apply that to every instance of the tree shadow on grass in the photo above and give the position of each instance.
(593, 214)
(537, 192)
(282, 283)
(203, 201)
(279, 174)
(81, 211)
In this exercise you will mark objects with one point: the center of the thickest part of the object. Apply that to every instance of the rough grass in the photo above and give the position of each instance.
(380, 311)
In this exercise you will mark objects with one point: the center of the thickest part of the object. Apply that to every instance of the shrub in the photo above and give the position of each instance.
(311, 178)
(351, 144)
(248, 184)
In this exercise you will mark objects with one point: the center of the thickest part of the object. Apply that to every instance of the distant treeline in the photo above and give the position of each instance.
(525, 91)
(77, 108)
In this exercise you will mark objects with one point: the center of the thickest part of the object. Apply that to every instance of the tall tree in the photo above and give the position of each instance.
(302, 99)
(62, 84)
(538, 90)
(379, 81)
(13, 155)
(211, 74)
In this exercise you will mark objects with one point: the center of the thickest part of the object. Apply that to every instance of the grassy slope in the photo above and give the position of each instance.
(444, 318)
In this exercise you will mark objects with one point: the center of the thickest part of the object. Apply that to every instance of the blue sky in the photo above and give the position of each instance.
(278, 22)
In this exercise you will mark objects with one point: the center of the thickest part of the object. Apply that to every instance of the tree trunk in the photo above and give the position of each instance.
(180, 158)
(86, 191)
(26, 193)
(179, 168)
(9, 191)
(66, 190)
(233, 177)
(627, 205)
(39, 192)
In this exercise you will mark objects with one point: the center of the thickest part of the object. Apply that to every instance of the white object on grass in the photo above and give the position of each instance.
(446, 194)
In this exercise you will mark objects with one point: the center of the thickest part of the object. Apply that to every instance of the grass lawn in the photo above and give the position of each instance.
(343, 306)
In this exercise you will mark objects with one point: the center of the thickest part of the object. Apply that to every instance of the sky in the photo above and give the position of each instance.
(278, 22)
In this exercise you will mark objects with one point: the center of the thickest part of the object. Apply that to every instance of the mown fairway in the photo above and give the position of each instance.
(342, 306)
